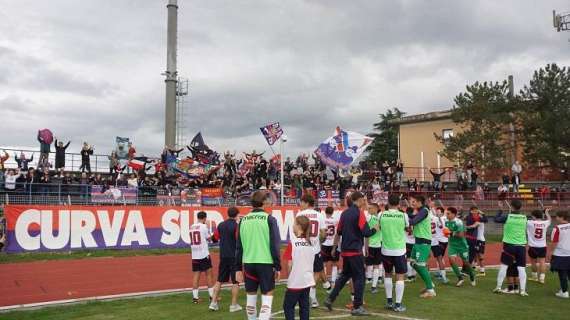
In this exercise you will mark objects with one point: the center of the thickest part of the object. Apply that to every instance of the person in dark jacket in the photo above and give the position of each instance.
(353, 228)
(86, 152)
(225, 233)
(22, 161)
(44, 150)
(60, 154)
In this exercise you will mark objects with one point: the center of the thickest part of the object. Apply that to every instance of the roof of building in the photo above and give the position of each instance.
(423, 117)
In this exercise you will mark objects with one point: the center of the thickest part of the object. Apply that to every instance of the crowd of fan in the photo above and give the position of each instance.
(236, 175)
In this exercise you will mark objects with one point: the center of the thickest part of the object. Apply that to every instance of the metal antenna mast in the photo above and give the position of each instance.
(181, 93)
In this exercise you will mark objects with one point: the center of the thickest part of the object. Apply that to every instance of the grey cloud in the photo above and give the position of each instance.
(312, 65)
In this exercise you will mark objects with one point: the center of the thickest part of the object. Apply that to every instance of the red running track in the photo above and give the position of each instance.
(45, 281)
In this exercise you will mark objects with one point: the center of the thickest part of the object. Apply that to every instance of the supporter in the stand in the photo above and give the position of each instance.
(86, 153)
(516, 175)
(113, 162)
(10, 179)
(44, 149)
(437, 178)
(3, 159)
(22, 161)
(60, 154)
(132, 151)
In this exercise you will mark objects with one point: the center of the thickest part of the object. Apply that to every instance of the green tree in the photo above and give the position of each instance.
(544, 116)
(385, 144)
(483, 112)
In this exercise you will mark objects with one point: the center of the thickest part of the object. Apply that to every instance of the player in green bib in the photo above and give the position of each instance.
(421, 222)
(458, 250)
(373, 248)
(514, 245)
(258, 256)
(393, 224)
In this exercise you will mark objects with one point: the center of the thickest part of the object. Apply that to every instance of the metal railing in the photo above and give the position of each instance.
(86, 194)
(99, 162)
(534, 174)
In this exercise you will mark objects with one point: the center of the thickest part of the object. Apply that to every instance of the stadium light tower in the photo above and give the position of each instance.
(561, 21)
(171, 74)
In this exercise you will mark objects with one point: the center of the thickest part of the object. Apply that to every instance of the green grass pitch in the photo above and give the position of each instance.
(451, 303)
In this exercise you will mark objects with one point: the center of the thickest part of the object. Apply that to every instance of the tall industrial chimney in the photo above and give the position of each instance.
(171, 74)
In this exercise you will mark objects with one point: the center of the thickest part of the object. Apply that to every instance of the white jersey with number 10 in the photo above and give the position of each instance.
(199, 236)
(317, 224)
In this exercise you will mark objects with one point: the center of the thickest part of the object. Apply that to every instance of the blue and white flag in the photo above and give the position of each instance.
(272, 132)
(343, 148)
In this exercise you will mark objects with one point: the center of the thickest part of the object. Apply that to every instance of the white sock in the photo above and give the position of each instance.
(265, 311)
(327, 285)
(251, 307)
(502, 275)
(195, 293)
(313, 294)
(399, 291)
(381, 271)
(542, 277)
(368, 272)
(375, 276)
(522, 278)
(211, 292)
(482, 269)
(334, 273)
(388, 287)
(534, 275)
(442, 273)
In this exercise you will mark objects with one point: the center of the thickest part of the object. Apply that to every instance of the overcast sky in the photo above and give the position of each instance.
(91, 70)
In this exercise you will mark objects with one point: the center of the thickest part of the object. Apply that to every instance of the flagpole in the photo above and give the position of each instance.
(282, 174)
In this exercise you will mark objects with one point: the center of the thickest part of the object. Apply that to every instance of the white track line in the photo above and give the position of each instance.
(347, 314)
(130, 295)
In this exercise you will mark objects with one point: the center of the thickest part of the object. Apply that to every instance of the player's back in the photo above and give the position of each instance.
(440, 224)
(303, 257)
(331, 224)
(434, 228)
(536, 233)
(199, 236)
(317, 222)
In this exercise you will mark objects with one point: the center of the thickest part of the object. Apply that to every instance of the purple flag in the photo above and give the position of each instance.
(272, 132)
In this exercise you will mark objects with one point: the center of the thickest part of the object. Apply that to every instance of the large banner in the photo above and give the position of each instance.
(55, 228)
(212, 196)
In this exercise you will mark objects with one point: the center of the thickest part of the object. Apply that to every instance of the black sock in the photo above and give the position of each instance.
(516, 286)
(390, 300)
(511, 287)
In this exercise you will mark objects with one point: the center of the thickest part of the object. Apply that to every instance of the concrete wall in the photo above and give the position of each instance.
(419, 136)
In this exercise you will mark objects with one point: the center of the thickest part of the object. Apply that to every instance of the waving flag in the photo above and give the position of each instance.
(138, 163)
(343, 148)
(45, 135)
(272, 132)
